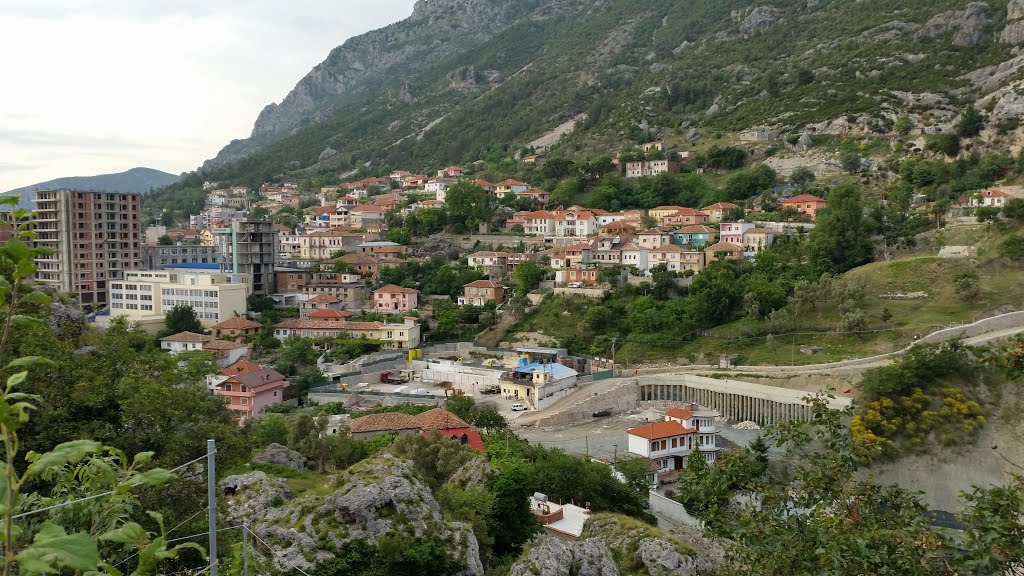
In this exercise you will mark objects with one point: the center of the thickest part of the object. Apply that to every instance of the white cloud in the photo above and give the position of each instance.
(94, 86)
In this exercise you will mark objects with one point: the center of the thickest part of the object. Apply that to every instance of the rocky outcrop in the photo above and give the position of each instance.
(370, 500)
(250, 495)
(760, 19)
(554, 557)
(469, 78)
(660, 553)
(367, 62)
(968, 25)
(1013, 33)
(472, 473)
(281, 455)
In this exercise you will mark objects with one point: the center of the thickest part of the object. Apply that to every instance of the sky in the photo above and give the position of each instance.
(99, 86)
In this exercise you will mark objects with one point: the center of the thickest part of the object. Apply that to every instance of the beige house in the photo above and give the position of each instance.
(481, 292)
(677, 259)
(717, 212)
(393, 336)
(393, 298)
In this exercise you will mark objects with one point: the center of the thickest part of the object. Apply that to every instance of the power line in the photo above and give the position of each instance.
(94, 496)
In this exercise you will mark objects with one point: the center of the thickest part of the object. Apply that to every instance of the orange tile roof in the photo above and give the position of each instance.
(803, 198)
(240, 367)
(237, 323)
(324, 299)
(697, 229)
(720, 206)
(659, 430)
(328, 314)
(723, 246)
(219, 345)
(392, 289)
(681, 413)
(483, 284)
(386, 422)
(440, 419)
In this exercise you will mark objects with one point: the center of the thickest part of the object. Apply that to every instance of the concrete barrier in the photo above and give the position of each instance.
(622, 398)
(672, 510)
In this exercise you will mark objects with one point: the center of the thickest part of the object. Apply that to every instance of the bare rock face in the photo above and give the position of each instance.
(440, 246)
(1015, 10)
(281, 456)
(660, 553)
(554, 557)
(968, 25)
(760, 19)
(469, 78)
(472, 473)
(250, 495)
(370, 500)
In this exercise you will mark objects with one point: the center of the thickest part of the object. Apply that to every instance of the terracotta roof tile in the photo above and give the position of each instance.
(658, 430)
(237, 323)
(187, 337)
(389, 421)
(392, 289)
(240, 367)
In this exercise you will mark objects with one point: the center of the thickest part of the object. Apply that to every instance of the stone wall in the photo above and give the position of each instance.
(596, 293)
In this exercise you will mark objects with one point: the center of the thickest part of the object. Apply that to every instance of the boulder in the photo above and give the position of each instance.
(327, 153)
(554, 557)
(968, 25)
(281, 456)
(634, 543)
(372, 499)
(1015, 10)
(1013, 33)
(250, 495)
(472, 473)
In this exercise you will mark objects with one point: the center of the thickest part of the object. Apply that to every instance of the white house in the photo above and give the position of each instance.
(990, 198)
(184, 342)
(670, 442)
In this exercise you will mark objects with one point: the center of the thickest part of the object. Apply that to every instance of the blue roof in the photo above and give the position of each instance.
(195, 265)
(557, 371)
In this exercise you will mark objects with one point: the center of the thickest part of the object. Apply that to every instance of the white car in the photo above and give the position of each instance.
(519, 407)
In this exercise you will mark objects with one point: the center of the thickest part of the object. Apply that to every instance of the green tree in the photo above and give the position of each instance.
(1013, 247)
(512, 523)
(802, 176)
(852, 162)
(1014, 209)
(638, 474)
(468, 206)
(164, 240)
(903, 125)
(181, 318)
(841, 239)
(971, 122)
(948, 144)
(528, 276)
(271, 429)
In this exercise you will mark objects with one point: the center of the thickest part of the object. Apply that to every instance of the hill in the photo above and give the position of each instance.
(463, 80)
(134, 180)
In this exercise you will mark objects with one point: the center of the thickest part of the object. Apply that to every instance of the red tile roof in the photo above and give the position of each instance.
(720, 206)
(659, 430)
(386, 422)
(723, 247)
(240, 367)
(392, 289)
(237, 323)
(440, 419)
(681, 413)
(328, 314)
(219, 345)
(473, 439)
(483, 284)
(324, 299)
(803, 198)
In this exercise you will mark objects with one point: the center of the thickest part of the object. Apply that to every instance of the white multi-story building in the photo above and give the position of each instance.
(146, 296)
(670, 442)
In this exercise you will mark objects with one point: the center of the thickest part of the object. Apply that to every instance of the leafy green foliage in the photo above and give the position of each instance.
(181, 318)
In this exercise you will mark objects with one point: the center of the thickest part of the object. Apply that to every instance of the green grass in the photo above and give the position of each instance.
(300, 481)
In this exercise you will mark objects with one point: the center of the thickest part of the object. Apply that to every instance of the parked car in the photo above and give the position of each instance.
(519, 407)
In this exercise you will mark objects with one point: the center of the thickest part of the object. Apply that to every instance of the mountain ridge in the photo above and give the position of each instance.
(501, 76)
(138, 179)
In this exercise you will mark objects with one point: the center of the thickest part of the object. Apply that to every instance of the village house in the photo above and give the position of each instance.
(677, 259)
(607, 250)
(346, 202)
(480, 292)
(684, 216)
(654, 238)
(669, 443)
(718, 211)
(184, 342)
(539, 223)
(660, 212)
(723, 251)
(487, 186)
(644, 168)
(320, 302)
(757, 239)
(732, 232)
(248, 393)
(510, 187)
(990, 198)
(451, 172)
(697, 236)
(436, 421)
(616, 228)
(399, 175)
(226, 352)
(438, 187)
(804, 204)
(570, 224)
(656, 146)
(391, 299)
(586, 274)
(236, 327)
(365, 215)
(635, 255)
(393, 336)
(539, 385)
(561, 520)
(535, 195)
(323, 244)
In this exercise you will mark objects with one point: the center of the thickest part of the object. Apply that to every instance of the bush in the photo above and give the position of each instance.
(948, 144)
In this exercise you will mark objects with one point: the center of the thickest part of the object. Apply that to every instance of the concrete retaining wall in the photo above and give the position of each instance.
(617, 400)
(595, 293)
(736, 400)
(461, 376)
(672, 510)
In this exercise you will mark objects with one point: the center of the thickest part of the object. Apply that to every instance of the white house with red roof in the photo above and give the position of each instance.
(990, 198)
(670, 442)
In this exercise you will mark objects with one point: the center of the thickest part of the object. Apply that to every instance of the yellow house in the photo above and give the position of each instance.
(207, 238)
(663, 211)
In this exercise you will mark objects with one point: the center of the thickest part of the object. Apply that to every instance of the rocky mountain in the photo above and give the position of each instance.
(461, 80)
(134, 180)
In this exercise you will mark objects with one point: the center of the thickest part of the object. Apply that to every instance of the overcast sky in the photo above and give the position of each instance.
(97, 86)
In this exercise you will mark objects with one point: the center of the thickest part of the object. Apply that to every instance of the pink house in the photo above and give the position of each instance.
(393, 298)
(249, 392)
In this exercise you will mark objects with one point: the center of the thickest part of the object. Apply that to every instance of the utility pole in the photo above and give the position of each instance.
(245, 550)
(614, 339)
(587, 440)
(615, 456)
(211, 500)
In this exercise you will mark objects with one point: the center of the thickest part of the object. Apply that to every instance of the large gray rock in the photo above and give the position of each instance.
(760, 19)
(968, 25)
(1013, 33)
(1015, 10)
(370, 500)
(472, 473)
(554, 557)
(250, 495)
(281, 456)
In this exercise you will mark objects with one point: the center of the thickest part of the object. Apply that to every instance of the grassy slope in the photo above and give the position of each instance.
(1002, 284)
